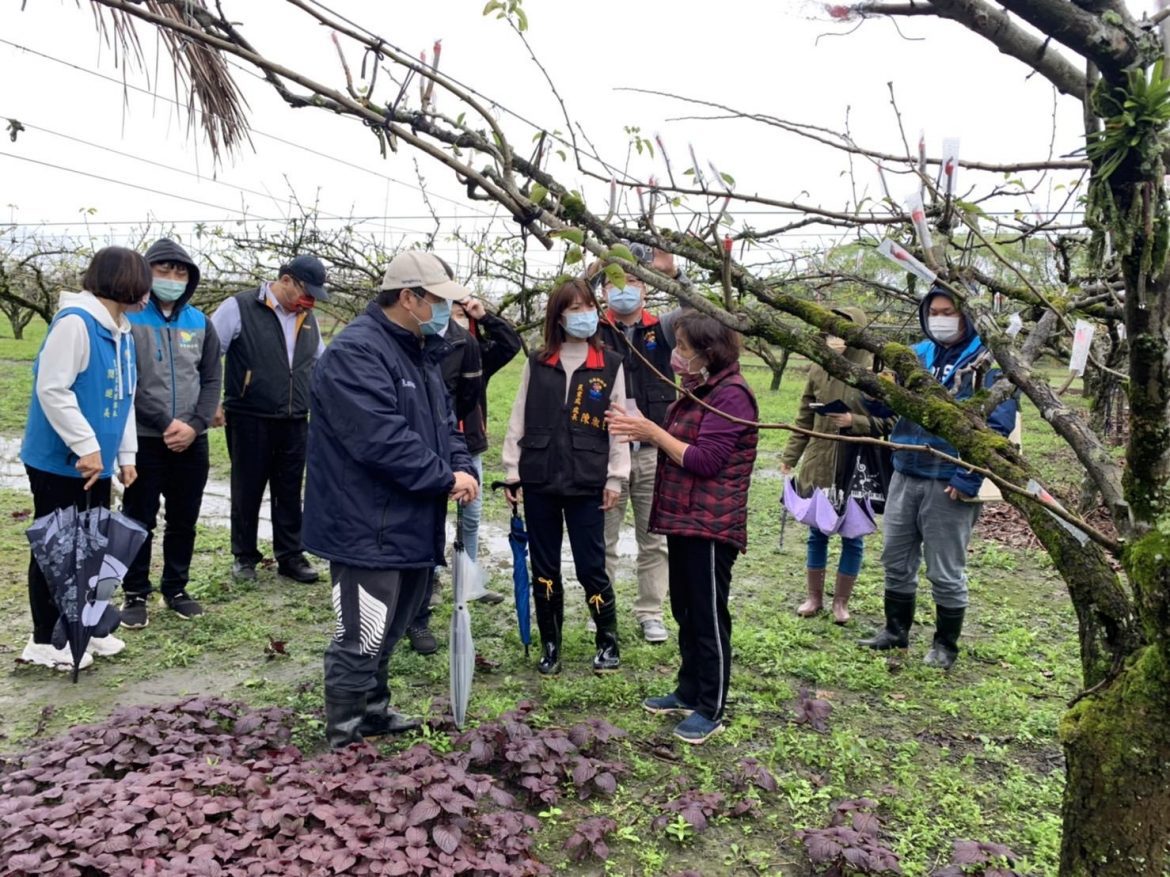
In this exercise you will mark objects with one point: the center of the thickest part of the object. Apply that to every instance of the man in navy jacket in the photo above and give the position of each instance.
(930, 504)
(384, 457)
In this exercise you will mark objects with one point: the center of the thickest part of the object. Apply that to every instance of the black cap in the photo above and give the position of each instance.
(310, 271)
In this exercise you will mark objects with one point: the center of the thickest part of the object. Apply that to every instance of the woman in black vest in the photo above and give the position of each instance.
(559, 451)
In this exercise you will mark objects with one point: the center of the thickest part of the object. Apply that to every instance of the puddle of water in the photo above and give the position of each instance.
(494, 550)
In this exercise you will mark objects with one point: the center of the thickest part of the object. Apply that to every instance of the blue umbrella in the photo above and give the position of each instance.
(518, 539)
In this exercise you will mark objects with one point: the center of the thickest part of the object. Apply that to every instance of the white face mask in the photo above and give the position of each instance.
(943, 328)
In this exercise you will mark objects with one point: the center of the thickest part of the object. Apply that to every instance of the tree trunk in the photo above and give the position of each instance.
(1116, 811)
(778, 371)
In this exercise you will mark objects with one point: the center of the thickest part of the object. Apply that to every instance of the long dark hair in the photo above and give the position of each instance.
(559, 301)
(706, 335)
(118, 274)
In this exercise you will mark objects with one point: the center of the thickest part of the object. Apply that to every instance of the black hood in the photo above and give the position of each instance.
(166, 250)
(924, 313)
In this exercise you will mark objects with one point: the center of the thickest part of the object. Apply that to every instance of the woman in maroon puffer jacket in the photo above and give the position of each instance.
(700, 503)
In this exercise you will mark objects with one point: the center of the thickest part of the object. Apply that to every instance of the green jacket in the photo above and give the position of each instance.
(818, 457)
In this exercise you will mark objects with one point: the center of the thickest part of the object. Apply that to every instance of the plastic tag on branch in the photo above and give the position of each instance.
(901, 257)
(1015, 324)
(1044, 496)
(917, 213)
(950, 165)
(1082, 342)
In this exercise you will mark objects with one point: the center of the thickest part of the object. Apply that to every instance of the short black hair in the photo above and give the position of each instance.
(387, 298)
(118, 274)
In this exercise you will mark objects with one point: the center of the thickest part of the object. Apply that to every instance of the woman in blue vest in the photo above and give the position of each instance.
(559, 451)
(80, 426)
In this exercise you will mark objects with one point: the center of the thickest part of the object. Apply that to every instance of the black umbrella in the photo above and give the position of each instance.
(84, 556)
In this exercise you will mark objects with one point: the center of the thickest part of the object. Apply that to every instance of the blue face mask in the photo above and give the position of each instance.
(168, 290)
(581, 325)
(440, 316)
(624, 300)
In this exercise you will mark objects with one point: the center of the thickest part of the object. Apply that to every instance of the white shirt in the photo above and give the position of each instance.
(226, 320)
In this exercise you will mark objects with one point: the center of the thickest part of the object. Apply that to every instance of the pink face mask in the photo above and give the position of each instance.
(680, 364)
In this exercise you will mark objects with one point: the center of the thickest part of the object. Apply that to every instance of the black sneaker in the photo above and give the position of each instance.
(422, 640)
(490, 598)
(183, 605)
(243, 572)
(299, 570)
(134, 616)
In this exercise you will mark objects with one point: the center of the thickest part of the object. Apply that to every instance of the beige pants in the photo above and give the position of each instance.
(652, 565)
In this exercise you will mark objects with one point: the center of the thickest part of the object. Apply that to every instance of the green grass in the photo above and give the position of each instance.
(971, 755)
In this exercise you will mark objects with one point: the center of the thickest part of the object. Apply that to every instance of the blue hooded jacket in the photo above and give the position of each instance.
(383, 448)
(951, 366)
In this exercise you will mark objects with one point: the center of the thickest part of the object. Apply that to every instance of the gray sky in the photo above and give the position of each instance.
(757, 56)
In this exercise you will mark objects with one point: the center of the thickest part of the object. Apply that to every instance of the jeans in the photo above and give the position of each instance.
(818, 552)
(471, 515)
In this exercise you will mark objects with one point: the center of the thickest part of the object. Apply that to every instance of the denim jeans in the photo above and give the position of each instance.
(818, 553)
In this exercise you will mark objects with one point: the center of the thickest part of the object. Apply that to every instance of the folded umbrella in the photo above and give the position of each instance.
(521, 587)
(84, 556)
(461, 647)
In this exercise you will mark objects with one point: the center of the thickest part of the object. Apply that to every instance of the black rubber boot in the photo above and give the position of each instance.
(899, 618)
(603, 608)
(550, 616)
(944, 651)
(608, 658)
(550, 658)
(379, 719)
(343, 718)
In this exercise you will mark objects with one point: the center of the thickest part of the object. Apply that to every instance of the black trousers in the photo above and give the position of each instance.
(179, 479)
(51, 492)
(372, 609)
(547, 516)
(266, 451)
(700, 581)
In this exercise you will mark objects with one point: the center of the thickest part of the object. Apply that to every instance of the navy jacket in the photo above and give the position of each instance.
(383, 448)
(953, 366)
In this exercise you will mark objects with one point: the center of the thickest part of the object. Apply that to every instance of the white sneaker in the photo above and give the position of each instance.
(105, 646)
(46, 656)
(653, 631)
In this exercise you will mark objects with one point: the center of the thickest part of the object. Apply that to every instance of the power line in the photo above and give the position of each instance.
(274, 137)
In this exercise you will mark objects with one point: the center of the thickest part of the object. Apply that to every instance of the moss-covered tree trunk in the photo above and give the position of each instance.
(1117, 736)
(1116, 810)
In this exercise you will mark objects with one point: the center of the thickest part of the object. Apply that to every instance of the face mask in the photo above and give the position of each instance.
(581, 325)
(680, 364)
(835, 344)
(304, 303)
(943, 328)
(625, 300)
(440, 317)
(168, 290)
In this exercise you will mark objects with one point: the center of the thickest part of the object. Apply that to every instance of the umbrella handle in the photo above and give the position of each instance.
(496, 485)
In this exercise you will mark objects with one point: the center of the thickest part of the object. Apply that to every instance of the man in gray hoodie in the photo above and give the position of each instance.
(179, 376)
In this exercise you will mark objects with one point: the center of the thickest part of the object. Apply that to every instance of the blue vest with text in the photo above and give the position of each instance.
(105, 394)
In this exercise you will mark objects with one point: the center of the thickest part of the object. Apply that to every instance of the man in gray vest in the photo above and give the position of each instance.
(270, 339)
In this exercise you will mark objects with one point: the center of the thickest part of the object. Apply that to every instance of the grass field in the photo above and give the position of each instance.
(972, 755)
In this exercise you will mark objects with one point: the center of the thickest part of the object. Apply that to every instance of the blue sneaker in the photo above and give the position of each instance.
(667, 704)
(697, 728)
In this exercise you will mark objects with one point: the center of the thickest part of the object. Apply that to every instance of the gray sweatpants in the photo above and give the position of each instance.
(920, 519)
(372, 608)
